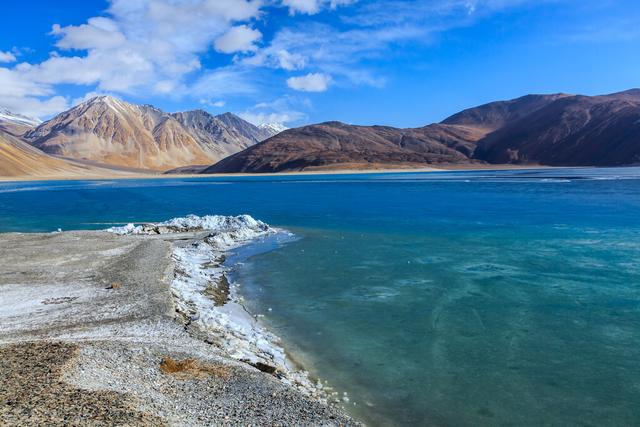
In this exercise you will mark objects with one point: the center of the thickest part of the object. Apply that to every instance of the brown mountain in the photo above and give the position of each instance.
(557, 129)
(495, 115)
(224, 135)
(19, 159)
(244, 128)
(571, 131)
(113, 132)
(329, 144)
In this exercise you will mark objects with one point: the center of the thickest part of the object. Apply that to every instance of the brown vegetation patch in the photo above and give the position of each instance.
(32, 392)
(191, 368)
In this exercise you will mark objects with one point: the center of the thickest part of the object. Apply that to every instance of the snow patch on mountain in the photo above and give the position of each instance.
(9, 116)
(273, 128)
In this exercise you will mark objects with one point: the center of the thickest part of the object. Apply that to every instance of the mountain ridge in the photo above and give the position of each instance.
(14, 123)
(539, 129)
(334, 142)
(555, 129)
(114, 132)
(580, 130)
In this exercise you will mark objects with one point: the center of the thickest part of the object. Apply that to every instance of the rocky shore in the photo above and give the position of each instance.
(93, 332)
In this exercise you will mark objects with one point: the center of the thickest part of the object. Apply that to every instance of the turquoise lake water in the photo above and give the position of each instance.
(450, 299)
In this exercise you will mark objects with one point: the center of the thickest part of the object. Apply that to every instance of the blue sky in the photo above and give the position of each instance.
(394, 62)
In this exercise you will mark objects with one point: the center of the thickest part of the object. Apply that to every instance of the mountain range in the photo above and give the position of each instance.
(106, 133)
(554, 130)
(113, 132)
(338, 145)
(17, 158)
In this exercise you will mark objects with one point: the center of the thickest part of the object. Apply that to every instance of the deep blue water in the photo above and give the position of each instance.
(458, 298)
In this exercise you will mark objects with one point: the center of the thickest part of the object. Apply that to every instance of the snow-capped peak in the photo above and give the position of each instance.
(109, 101)
(9, 116)
(273, 128)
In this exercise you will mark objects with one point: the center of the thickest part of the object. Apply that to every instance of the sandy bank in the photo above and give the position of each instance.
(89, 334)
(331, 171)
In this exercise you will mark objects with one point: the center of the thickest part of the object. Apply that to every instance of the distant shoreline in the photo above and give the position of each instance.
(121, 176)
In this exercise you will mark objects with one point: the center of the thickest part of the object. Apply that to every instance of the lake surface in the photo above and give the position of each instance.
(454, 298)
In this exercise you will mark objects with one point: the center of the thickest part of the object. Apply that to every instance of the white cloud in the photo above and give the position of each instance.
(368, 35)
(154, 47)
(142, 47)
(258, 118)
(98, 33)
(87, 96)
(223, 82)
(335, 3)
(302, 6)
(36, 107)
(28, 97)
(238, 39)
(217, 104)
(339, 53)
(168, 87)
(7, 57)
(312, 82)
(119, 70)
(277, 58)
(311, 7)
(12, 85)
(283, 110)
(289, 61)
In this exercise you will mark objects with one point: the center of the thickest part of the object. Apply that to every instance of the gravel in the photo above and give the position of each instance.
(87, 319)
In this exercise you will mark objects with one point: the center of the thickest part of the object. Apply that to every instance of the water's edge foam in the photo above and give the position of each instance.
(212, 308)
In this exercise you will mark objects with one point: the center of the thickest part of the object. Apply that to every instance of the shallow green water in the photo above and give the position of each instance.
(508, 298)
(492, 328)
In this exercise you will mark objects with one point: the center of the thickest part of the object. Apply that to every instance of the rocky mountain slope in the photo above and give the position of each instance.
(557, 129)
(16, 124)
(113, 132)
(571, 131)
(495, 115)
(110, 131)
(331, 143)
(255, 133)
(223, 135)
(19, 159)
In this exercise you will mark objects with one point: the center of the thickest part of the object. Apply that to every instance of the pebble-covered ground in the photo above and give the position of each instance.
(32, 392)
(89, 336)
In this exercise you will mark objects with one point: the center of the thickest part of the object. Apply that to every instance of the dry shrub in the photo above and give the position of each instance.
(191, 368)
